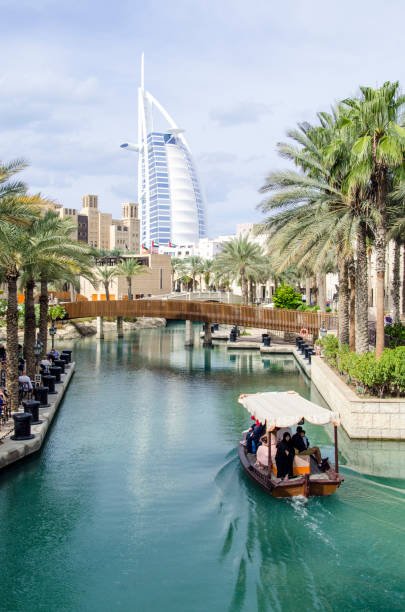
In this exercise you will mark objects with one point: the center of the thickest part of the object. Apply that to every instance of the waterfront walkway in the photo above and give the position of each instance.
(13, 450)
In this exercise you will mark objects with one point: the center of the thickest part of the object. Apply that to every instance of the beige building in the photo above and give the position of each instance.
(156, 280)
(100, 230)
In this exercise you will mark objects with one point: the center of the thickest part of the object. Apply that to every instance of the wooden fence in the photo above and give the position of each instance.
(215, 312)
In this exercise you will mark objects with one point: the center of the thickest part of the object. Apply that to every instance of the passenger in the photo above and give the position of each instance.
(285, 457)
(281, 431)
(45, 364)
(301, 444)
(262, 454)
(25, 381)
(253, 437)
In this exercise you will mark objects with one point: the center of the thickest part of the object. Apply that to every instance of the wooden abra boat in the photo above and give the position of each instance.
(284, 410)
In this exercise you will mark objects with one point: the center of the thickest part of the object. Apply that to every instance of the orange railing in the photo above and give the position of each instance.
(232, 314)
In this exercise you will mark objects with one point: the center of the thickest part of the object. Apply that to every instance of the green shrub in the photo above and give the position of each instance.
(395, 334)
(57, 311)
(287, 297)
(330, 345)
(384, 376)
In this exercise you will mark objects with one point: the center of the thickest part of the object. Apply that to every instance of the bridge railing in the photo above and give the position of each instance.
(232, 314)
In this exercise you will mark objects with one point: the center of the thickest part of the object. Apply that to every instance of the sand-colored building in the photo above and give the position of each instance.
(100, 230)
(156, 280)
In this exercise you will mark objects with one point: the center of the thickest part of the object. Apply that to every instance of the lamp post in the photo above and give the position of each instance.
(323, 331)
(52, 332)
(37, 350)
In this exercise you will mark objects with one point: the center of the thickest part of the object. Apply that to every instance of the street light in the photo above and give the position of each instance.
(52, 332)
(37, 350)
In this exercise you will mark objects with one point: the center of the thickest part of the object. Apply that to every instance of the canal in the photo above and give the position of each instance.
(137, 500)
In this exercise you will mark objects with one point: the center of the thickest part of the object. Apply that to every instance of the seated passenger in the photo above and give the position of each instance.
(301, 444)
(281, 431)
(262, 454)
(25, 381)
(45, 364)
(253, 439)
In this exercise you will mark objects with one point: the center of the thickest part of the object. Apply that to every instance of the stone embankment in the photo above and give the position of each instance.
(13, 450)
(74, 330)
(362, 417)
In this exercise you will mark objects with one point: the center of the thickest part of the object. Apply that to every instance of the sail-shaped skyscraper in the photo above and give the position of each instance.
(169, 193)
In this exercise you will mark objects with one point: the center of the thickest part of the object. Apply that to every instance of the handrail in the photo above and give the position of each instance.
(231, 314)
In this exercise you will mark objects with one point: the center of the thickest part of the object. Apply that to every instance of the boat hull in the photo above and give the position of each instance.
(304, 486)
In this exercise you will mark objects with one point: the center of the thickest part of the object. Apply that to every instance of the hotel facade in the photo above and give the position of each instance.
(169, 192)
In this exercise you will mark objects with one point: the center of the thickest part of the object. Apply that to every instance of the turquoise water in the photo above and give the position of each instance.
(138, 502)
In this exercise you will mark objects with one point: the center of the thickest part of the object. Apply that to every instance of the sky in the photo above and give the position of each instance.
(236, 75)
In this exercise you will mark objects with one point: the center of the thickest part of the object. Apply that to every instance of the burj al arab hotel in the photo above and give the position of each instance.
(169, 193)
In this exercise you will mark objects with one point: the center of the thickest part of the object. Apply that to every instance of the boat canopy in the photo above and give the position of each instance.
(287, 408)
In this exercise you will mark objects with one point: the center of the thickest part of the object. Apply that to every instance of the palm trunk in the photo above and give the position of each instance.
(343, 303)
(12, 338)
(43, 316)
(380, 247)
(369, 268)
(380, 270)
(321, 283)
(396, 282)
(244, 286)
(107, 292)
(403, 279)
(129, 283)
(308, 291)
(250, 291)
(352, 305)
(29, 328)
(315, 292)
(362, 343)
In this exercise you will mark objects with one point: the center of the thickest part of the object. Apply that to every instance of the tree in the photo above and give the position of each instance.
(48, 252)
(287, 297)
(316, 221)
(130, 268)
(105, 275)
(378, 159)
(18, 209)
(239, 259)
(194, 266)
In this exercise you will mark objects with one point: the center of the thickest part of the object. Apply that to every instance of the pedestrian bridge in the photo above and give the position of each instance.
(214, 312)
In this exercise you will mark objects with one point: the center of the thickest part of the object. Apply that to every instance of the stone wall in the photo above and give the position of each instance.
(382, 419)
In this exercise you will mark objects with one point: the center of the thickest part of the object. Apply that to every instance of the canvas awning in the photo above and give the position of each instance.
(285, 409)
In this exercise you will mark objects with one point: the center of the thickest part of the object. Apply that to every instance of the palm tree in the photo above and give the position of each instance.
(240, 259)
(378, 158)
(48, 252)
(105, 275)
(194, 265)
(130, 268)
(207, 272)
(317, 217)
(18, 209)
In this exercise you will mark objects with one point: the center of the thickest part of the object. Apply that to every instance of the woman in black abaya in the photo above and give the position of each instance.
(285, 457)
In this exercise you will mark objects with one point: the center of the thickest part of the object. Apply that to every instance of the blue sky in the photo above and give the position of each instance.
(234, 74)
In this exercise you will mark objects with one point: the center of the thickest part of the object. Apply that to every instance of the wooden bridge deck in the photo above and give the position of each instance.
(215, 312)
